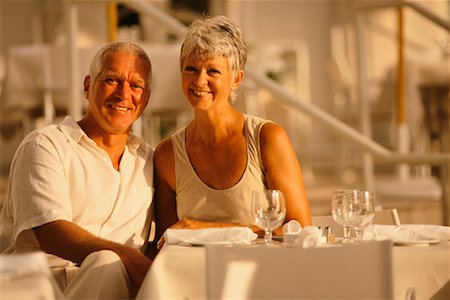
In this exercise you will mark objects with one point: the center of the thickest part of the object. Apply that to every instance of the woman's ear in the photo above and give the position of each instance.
(238, 79)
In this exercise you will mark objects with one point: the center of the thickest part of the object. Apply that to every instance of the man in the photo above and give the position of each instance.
(82, 191)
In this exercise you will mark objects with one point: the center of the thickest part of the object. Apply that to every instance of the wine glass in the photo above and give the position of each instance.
(269, 211)
(340, 210)
(362, 214)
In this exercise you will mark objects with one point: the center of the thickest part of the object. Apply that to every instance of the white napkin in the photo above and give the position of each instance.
(407, 232)
(231, 235)
(296, 236)
(310, 236)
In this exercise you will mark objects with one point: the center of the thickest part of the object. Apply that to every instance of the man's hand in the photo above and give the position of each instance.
(136, 263)
(71, 242)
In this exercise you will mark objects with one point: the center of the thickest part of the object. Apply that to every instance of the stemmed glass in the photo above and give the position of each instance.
(362, 214)
(269, 211)
(340, 211)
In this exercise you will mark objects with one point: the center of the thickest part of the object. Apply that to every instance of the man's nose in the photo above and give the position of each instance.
(124, 90)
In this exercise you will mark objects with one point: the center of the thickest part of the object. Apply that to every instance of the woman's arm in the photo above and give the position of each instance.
(283, 172)
(165, 187)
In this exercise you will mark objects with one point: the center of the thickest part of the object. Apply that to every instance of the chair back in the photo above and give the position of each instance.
(361, 271)
(387, 217)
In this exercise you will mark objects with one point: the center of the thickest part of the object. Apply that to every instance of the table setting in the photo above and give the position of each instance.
(182, 269)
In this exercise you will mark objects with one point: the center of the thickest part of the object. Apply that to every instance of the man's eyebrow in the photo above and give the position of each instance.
(110, 74)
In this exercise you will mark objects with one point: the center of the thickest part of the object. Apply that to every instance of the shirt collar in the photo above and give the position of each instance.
(72, 130)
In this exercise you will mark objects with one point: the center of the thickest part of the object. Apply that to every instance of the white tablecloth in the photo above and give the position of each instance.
(179, 272)
(27, 276)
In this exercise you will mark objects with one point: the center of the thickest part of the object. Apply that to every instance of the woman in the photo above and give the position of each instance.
(206, 171)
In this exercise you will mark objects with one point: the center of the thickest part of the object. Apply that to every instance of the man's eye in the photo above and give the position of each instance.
(137, 86)
(213, 71)
(111, 81)
(189, 69)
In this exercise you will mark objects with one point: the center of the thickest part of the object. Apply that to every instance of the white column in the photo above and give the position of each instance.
(74, 84)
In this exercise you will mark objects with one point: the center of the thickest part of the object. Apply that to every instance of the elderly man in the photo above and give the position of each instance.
(82, 191)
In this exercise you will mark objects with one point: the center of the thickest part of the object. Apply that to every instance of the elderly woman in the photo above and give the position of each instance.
(206, 172)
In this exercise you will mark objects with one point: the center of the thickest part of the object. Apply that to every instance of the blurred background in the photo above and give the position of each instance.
(362, 87)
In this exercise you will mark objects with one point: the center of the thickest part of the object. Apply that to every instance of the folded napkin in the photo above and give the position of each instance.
(231, 235)
(310, 236)
(407, 232)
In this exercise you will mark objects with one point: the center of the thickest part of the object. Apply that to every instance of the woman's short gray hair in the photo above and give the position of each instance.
(118, 46)
(216, 36)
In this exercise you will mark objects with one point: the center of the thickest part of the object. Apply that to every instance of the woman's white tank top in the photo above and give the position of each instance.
(196, 200)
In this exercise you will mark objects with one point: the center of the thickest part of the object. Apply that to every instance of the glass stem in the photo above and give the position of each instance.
(346, 232)
(268, 237)
(358, 234)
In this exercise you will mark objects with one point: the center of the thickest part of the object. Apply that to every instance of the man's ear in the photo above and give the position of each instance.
(86, 85)
(148, 98)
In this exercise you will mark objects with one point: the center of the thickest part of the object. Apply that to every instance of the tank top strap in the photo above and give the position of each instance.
(178, 140)
(253, 134)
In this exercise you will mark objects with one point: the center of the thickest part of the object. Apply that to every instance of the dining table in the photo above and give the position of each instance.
(419, 271)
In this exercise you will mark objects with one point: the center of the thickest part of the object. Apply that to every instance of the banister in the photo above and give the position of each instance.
(345, 131)
(150, 10)
(368, 5)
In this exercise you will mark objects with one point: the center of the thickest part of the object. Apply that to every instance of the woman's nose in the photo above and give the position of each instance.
(201, 78)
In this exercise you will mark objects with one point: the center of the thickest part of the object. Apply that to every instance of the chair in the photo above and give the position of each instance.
(387, 217)
(361, 271)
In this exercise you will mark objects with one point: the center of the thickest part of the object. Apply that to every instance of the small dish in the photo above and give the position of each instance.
(278, 238)
(415, 243)
(222, 243)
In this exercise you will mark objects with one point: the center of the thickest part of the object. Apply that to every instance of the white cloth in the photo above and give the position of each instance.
(59, 173)
(27, 276)
(102, 275)
(196, 200)
(407, 232)
(232, 235)
(30, 262)
(306, 237)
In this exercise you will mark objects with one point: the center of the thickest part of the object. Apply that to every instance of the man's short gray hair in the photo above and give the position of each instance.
(118, 46)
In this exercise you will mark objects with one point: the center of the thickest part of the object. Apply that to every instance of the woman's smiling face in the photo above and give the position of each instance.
(206, 82)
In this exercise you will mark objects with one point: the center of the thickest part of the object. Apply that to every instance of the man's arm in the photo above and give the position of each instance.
(69, 241)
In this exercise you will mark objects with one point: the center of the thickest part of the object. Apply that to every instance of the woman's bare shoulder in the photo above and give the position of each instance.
(163, 152)
(273, 132)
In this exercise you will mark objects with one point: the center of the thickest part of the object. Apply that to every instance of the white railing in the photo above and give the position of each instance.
(369, 5)
(344, 130)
